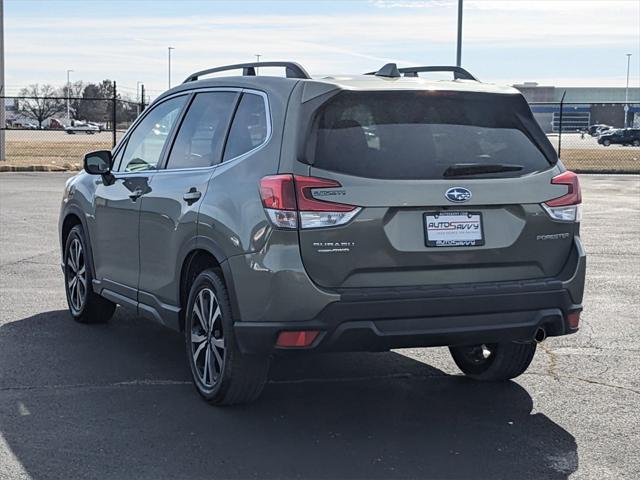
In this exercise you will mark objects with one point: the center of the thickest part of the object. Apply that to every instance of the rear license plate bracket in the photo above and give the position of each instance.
(453, 229)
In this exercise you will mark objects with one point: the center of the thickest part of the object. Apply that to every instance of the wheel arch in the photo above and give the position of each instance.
(72, 217)
(202, 254)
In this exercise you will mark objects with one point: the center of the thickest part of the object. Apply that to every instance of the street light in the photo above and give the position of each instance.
(169, 50)
(459, 48)
(2, 87)
(138, 83)
(258, 60)
(626, 94)
(68, 96)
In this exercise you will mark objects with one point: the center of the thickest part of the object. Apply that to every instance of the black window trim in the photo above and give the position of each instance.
(162, 163)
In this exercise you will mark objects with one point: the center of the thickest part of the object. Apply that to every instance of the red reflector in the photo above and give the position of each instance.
(277, 192)
(574, 319)
(297, 339)
(573, 196)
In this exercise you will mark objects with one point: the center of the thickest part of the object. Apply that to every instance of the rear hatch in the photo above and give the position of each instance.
(448, 188)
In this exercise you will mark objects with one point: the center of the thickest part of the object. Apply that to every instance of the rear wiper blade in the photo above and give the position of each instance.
(462, 169)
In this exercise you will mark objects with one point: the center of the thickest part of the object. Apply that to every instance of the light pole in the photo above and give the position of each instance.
(258, 60)
(138, 96)
(626, 93)
(459, 49)
(68, 96)
(3, 103)
(169, 50)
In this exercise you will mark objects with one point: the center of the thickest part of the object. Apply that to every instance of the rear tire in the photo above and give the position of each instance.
(85, 305)
(221, 373)
(494, 362)
(636, 143)
(606, 143)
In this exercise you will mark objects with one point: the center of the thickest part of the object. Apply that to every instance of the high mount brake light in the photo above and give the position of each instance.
(568, 207)
(288, 199)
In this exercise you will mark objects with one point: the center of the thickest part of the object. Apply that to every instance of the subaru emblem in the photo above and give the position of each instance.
(458, 194)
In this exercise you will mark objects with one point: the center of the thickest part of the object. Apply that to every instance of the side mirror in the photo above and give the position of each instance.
(98, 163)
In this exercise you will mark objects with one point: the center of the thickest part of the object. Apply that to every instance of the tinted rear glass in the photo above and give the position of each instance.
(419, 135)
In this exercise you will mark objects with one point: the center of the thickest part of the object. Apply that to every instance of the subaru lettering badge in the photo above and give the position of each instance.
(458, 194)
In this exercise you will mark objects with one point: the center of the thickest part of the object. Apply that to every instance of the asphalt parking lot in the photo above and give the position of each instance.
(115, 401)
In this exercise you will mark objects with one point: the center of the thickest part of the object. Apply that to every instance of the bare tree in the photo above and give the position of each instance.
(40, 102)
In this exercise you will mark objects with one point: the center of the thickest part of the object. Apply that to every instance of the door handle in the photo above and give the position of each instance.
(192, 196)
(136, 194)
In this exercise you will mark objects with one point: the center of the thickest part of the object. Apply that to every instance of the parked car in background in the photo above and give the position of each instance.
(264, 215)
(593, 129)
(100, 126)
(603, 128)
(622, 136)
(81, 127)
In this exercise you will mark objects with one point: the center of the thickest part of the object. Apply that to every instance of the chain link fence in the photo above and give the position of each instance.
(599, 137)
(56, 132)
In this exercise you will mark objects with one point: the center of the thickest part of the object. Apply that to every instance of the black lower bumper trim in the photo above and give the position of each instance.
(375, 325)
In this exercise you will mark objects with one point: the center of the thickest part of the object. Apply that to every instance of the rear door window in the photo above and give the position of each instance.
(200, 139)
(250, 126)
(419, 135)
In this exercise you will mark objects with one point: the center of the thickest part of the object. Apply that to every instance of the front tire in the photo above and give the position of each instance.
(221, 373)
(636, 143)
(84, 304)
(606, 143)
(494, 362)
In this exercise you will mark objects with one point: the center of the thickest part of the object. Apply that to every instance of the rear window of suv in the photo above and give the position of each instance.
(421, 134)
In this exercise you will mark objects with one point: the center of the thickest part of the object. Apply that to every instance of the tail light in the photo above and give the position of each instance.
(279, 200)
(288, 199)
(568, 207)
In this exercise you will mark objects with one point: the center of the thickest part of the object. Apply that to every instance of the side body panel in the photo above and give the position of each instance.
(114, 232)
(167, 223)
(231, 214)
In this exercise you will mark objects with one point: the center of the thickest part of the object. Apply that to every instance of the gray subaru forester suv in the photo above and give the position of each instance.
(261, 215)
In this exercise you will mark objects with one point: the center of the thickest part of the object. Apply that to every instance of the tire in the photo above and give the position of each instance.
(636, 143)
(606, 143)
(506, 360)
(221, 373)
(85, 305)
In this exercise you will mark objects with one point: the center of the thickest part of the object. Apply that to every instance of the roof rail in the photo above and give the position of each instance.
(459, 73)
(390, 70)
(292, 69)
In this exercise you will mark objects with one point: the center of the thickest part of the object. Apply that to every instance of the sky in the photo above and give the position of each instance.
(552, 42)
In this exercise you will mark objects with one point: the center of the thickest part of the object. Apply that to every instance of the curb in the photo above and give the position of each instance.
(35, 168)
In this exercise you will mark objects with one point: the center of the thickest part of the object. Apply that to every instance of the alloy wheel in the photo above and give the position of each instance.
(76, 276)
(207, 338)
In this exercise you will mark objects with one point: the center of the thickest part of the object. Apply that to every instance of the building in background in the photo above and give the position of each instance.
(584, 106)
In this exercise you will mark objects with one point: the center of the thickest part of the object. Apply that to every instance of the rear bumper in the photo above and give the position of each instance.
(375, 325)
(375, 319)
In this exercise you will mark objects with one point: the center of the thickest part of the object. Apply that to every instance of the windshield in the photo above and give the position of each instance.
(421, 135)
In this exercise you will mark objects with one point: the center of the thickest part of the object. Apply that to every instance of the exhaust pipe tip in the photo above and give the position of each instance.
(540, 334)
